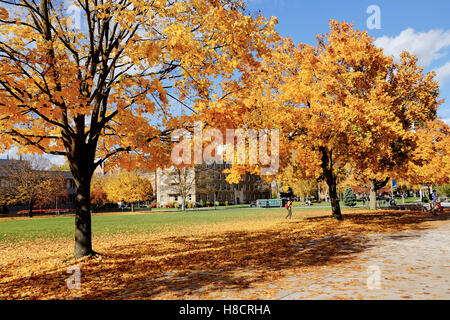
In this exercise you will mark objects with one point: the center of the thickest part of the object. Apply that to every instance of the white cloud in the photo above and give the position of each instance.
(442, 73)
(427, 46)
(447, 121)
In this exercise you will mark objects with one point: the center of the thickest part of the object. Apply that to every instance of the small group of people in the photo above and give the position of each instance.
(434, 203)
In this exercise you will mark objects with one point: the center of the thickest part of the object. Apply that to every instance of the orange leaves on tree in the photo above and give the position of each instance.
(4, 14)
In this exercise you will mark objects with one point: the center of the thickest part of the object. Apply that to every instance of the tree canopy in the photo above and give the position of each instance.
(340, 106)
(113, 87)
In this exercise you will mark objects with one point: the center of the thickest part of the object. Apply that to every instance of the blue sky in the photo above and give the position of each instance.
(420, 27)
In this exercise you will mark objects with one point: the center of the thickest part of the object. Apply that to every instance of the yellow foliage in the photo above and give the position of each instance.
(128, 186)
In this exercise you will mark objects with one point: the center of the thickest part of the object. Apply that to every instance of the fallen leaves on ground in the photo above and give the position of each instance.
(195, 262)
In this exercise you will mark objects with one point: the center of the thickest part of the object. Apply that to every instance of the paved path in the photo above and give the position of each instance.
(413, 264)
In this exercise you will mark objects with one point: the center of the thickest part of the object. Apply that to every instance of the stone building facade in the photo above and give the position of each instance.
(206, 183)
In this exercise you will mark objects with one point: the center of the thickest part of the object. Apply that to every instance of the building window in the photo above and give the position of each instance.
(208, 197)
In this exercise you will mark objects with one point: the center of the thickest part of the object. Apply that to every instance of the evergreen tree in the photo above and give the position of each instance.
(349, 198)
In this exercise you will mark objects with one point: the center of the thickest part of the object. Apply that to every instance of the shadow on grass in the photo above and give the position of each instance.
(176, 267)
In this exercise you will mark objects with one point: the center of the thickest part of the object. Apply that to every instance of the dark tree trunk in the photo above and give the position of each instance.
(81, 160)
(83, 235)
(335, 207)
(330, 178)
(30, 209)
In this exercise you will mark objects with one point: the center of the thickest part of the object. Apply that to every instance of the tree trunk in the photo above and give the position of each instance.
(183, 203)
(327, 168)
(335, 207)
(376, 185)
(373, 197)
(30, 209)
(83, 235)
(81, 161)
(132, 206)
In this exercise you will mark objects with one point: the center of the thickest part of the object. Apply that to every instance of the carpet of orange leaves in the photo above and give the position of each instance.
(197, 262)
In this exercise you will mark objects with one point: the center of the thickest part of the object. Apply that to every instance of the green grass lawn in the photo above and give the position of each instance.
(63, 227)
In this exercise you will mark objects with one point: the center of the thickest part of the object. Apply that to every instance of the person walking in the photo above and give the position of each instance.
(289, 209)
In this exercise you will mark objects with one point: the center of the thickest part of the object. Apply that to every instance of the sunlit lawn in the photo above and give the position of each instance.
(106, 224)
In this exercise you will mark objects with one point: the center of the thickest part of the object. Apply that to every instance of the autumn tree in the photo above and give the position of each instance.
(340, 105)
(98, 195)
(444, 190)
(128, 186)
(116, 80)
(430, 162)
(414, 104)
(31, 183)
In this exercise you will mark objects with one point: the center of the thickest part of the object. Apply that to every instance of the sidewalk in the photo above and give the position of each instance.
(410, 265)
